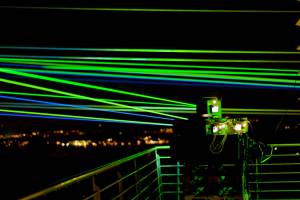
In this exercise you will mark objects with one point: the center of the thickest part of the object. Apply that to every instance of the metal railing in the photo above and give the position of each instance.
(198, 182)
(150, 174)
(278, 176)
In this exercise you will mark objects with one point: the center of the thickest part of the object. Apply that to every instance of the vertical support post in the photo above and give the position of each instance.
(136, 177)
(158, 169)
(244, 154)
(96, 189)
(120, 185)
(244, 183)
(256, 178)
(178, 180)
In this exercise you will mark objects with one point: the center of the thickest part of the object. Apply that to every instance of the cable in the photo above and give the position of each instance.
(269, 157)
(217, 148)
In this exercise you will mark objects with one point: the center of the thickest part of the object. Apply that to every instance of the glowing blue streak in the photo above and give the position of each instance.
(175, 83)
(20, 65)
(76, 106)
(67, 118)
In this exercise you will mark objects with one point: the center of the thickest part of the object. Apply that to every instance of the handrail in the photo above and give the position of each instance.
(277, 176)
(94, 172)
(285, 145)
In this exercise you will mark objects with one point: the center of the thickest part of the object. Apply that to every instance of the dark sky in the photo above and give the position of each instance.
(240, 31)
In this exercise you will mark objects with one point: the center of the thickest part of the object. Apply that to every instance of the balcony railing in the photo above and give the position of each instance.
(278, 175)
(150, 174)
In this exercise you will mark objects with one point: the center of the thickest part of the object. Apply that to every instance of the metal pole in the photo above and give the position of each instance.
(136, 177)
(96, 189)
(120, 185)
(256, 178)
(158, 167)
(178, 180)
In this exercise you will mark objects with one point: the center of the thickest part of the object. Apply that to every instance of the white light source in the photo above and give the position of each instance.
(238, 127)
(222, 126)
(215, 109)
(215, 129)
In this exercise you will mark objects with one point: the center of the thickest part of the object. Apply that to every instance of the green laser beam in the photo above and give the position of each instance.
(148, 59)
(260, 110)
(101, 88)
(272, 191)
(159, 73)
(164, 109)
(70, 97)
(49, 64)
(260, 113)
(155, 10)
(81, 117)
(82, 97)
(273, 182)
(103, 106)
(175, 79)
(42, 62)
(201, 81)
(83, 109)
(37, 95)
(155, 50)
(170, 71)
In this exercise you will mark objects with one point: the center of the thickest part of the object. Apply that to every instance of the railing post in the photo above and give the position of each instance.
(244, 162)
(120, 185)
(136, 177)
(96, 189)
(256, 177)
(178, 180)
(158, 168)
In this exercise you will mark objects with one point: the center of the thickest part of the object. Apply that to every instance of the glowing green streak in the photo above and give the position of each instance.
(275, 164)
(160, 109)
(174, 71)
(81, 117)
(82, 97)
(140, 102)
(51, 79)
(80, 58)
(260, 113)
(276, 173)
(181, 72)
(259, 110)
(271, 191)
(40, 107)
(285, 155)
(242, 78)
(96, 106)
(275, 182)
(37, 95)
(285, 145)
(42, 62)
(68, 97)
(69, 108)
(156, 78)
(158, 50)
